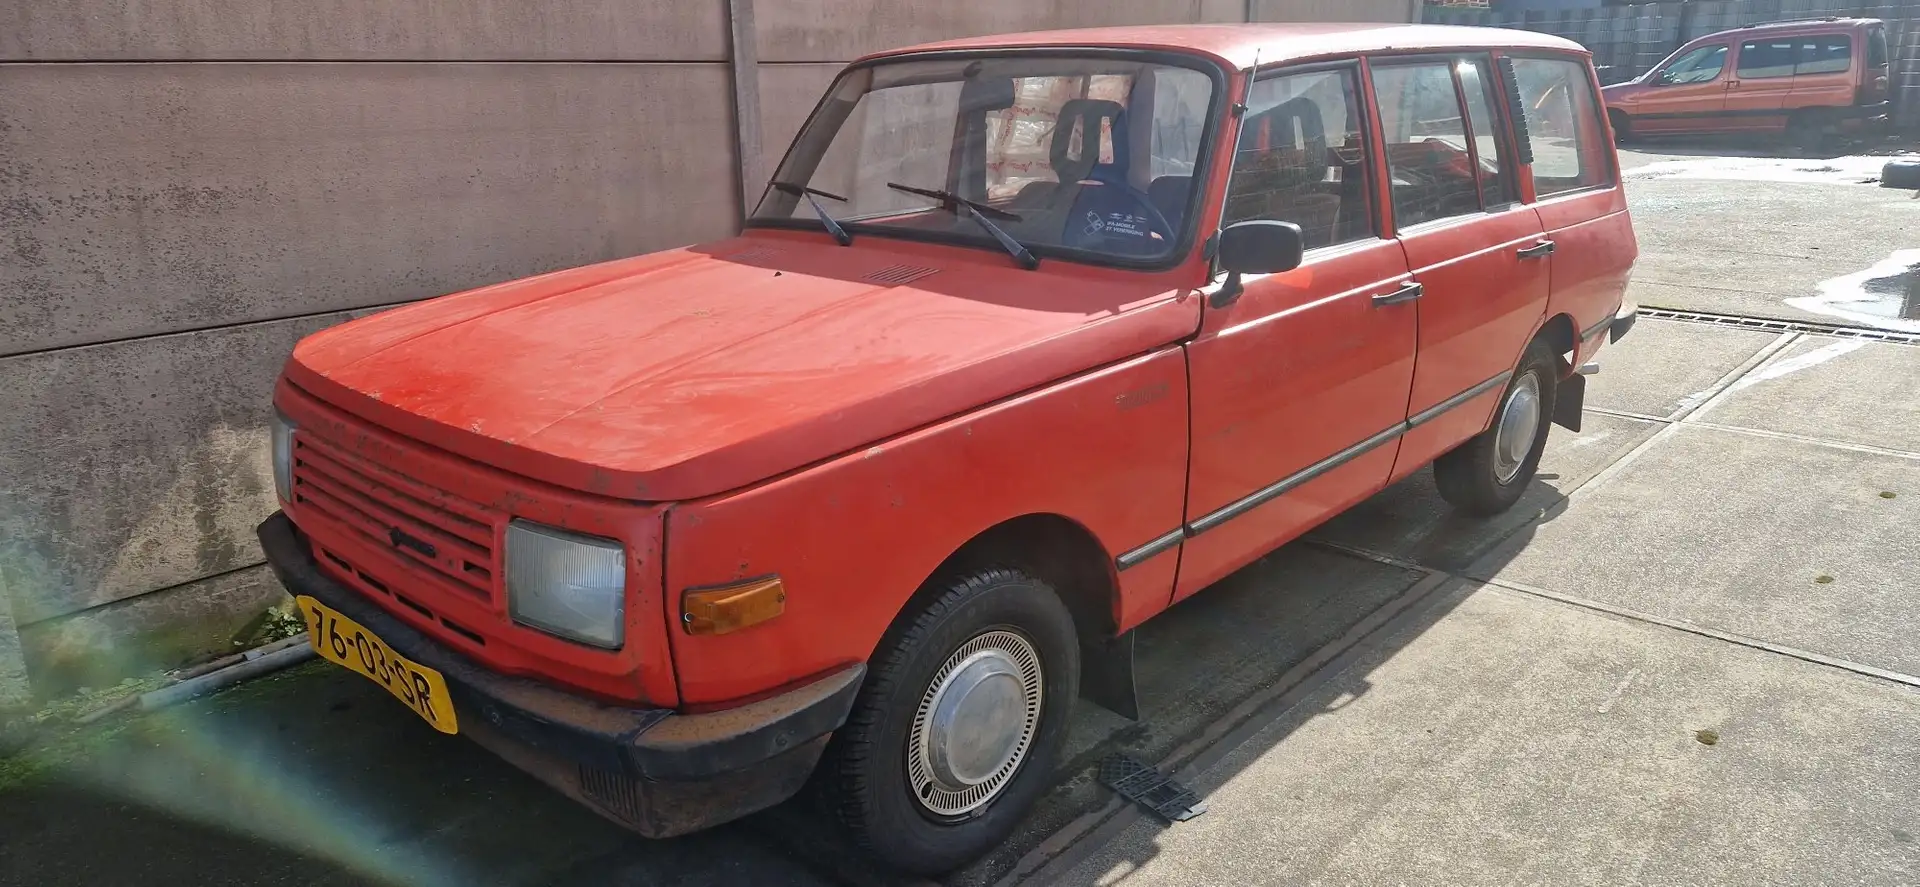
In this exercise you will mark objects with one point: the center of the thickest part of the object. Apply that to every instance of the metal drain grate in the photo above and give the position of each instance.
(1783, 326)
(1147, 787)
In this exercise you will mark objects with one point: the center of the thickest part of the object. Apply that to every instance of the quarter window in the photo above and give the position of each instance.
(1563, 125)
(1301, 158)
(1760, 59)
(1826, 54)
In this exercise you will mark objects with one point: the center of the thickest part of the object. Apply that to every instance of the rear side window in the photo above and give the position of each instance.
(1302, 159)
(1877, 46)
(1426, 142)
(1824, 54)
(1760, 59)
(1563, 125)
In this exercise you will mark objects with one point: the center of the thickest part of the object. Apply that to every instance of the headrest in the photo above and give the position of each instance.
(1085, 116)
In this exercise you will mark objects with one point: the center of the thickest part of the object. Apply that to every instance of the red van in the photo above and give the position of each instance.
(1805, 79)
(1029, 338)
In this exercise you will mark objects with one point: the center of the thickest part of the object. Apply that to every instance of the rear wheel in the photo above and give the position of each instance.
(1622, 126)
(1487, 474)
(958, 727)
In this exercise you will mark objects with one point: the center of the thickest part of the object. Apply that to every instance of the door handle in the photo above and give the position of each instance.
(1537, 251)
(1404, 294)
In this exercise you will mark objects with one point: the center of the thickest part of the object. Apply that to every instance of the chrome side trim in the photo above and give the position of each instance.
(1433, 412)
(1286, 484)
(1596, 329)
(1143, 553)
(1267, 493)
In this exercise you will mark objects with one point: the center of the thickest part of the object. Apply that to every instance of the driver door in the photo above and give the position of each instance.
(1694, 101)
(1298, 386)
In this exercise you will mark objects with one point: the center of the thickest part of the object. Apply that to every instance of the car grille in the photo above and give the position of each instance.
(446, 540)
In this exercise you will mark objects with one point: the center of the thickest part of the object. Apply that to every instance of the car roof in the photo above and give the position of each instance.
(1239, 45)
(1796, 26)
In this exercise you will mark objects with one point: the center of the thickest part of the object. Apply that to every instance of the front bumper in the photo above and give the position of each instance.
(656, 771)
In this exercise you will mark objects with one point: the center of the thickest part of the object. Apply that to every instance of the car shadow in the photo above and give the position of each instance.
(314, 777)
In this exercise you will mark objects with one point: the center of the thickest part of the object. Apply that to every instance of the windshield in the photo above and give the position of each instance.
(1086, 157)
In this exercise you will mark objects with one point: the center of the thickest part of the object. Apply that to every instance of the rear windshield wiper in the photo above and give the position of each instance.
(839, 234)
(979, 212)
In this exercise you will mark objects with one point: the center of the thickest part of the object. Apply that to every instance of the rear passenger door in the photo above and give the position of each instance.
(1574, 177)
(1762, 78)
(1474, 248)
(1299, 386)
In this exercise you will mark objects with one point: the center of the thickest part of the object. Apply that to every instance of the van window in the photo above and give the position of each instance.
(1700, 65)
(1824, 54)
(1302, 159)
(1760, 59)
(1877, 47)
(1426, 142)
(1563, 125)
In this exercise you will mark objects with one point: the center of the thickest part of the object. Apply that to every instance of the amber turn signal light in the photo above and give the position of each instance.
(730, 608)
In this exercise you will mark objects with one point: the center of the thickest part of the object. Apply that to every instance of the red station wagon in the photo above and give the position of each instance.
(1030, 338)
(1803, 78)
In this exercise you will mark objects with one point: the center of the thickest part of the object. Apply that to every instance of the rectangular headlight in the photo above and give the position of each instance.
(567, 584)
(282, 429)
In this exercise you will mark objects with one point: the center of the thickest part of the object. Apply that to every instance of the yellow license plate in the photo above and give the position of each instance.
(350, 645)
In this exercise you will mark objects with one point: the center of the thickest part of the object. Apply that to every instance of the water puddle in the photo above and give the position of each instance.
(1850, 170)
(1885, 296)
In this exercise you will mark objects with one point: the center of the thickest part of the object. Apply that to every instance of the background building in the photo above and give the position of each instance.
(187, 187)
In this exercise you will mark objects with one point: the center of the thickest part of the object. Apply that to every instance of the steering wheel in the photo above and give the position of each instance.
(1155, 220)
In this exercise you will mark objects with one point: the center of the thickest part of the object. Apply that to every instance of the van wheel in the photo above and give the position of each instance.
(958, 727)
(1622, 126)
(1487, 474)
(1807, 131)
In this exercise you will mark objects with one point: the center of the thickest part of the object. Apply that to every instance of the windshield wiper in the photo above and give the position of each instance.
(979, 212)
(839, 234)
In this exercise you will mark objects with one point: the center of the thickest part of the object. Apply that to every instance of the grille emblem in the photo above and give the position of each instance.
(402, 539)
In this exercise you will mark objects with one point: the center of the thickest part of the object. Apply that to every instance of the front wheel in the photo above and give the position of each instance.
(1622, 126)
(958, 727)
(1487, 474)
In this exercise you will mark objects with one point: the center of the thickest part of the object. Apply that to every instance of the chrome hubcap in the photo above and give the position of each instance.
(1519, 424)
(975, 723)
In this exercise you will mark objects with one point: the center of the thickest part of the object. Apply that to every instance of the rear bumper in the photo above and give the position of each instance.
(656, 771)
(1623, 321)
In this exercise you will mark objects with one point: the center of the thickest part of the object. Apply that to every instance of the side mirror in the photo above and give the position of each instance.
(1256, 247)
(1664, 78)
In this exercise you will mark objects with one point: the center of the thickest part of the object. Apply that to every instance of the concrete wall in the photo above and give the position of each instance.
(187, 187)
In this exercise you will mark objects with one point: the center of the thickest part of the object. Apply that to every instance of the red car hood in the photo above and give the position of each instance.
(686, 373)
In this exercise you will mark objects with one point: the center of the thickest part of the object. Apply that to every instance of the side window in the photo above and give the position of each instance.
(1563, 125)
(1476, 84)
(1766, 58)
(1824, 54)
(1700, 65)
(1426, 142)
(1877, 47)
(1301, 157)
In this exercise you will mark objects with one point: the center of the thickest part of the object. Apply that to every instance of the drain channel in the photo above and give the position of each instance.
(1782, 326)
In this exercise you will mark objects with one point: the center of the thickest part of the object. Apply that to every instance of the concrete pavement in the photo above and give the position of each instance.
(1745, 568)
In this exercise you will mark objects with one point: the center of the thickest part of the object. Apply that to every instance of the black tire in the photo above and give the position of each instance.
(1903, 174)
(1808, 131)
(1622, 126)
(1469, 476)
(864, 777)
